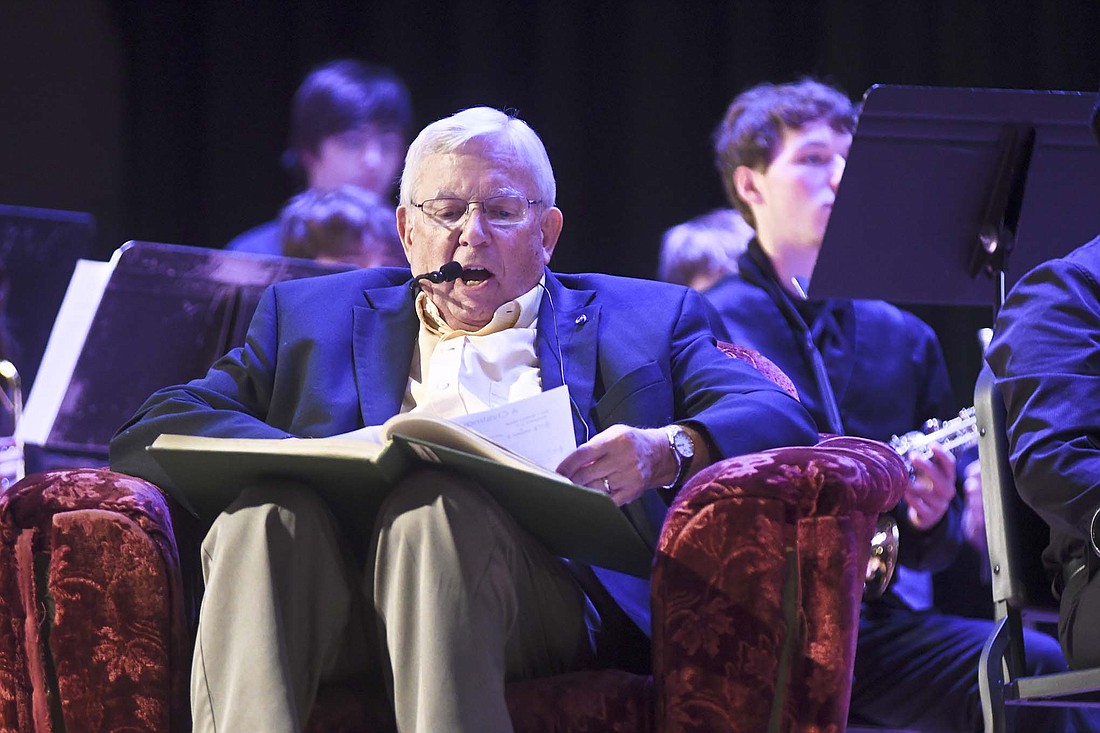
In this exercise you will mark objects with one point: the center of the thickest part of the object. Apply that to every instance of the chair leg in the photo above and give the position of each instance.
(991, 680)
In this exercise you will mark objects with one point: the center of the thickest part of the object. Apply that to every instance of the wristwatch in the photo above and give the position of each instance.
(683, 447)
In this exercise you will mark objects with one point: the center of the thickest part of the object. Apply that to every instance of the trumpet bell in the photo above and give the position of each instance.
(883, 558)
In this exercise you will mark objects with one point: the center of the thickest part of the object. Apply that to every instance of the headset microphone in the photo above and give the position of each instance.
(445, 274)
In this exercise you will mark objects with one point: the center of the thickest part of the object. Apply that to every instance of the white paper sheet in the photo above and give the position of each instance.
(70, 329)
(539, 428)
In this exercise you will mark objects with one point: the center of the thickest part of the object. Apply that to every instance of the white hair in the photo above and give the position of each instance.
(451, 133)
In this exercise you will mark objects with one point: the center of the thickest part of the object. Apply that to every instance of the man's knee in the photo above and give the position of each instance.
(445, 516)
(271, 511)
(287, 498)
(432, 490)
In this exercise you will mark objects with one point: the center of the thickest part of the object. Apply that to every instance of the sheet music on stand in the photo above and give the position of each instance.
(935, 175)
(156, 315)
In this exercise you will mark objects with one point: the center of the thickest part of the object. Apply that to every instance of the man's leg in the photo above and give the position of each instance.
(276, 614)
(919, 670)
(1044, 656)
(1079, 634)
(467, 600)
(1079, 627)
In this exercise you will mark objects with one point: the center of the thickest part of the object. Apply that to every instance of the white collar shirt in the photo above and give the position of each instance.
(458, 372)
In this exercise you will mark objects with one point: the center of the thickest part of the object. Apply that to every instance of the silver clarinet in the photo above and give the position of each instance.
(955, 435)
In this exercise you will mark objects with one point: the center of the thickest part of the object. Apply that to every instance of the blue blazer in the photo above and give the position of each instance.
(331, 354)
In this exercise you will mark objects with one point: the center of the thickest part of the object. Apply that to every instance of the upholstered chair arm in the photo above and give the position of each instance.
(757, 587)
(756, 597)
(91, 605)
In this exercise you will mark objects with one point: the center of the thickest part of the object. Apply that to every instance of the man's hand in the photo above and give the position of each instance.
(932, 488)
(630, 460)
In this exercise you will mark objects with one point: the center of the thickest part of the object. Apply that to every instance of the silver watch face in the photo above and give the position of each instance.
(681, 441)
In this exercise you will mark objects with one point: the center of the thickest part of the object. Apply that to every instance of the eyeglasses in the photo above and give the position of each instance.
(500, 211)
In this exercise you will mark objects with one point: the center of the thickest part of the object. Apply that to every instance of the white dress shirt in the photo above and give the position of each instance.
(458, 372)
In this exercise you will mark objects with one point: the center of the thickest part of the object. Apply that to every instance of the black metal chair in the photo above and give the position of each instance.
(1021, 593)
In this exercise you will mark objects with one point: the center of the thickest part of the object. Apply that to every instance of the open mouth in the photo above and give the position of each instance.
(471, 275)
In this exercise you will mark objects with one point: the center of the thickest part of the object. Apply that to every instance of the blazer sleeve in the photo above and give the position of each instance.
(1046, 357)
(739, 409)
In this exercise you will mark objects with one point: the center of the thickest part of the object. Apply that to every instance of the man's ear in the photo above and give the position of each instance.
(403, 230)
(746, 183)
(551, 224)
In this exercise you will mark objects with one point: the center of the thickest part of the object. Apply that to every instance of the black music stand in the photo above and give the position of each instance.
(166, 314)
(38, 250)
(950, 195)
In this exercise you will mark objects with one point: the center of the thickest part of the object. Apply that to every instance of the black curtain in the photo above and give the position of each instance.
(625, 94)
(167, 119)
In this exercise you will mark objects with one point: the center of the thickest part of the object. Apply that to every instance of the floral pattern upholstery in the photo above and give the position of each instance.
(756, 591)
(757, 587)
(91, 605)
(763, 364)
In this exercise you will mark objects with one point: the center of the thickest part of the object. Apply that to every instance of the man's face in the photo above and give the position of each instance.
(368, 157)
(508, 259)
(793, 197)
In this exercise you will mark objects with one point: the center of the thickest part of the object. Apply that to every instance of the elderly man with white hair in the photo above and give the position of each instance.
(463, 599)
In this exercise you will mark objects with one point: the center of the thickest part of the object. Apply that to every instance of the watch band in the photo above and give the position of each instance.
(682, 463)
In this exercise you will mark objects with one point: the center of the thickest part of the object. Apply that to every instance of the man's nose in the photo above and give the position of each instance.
(474, 228)
(839, 161)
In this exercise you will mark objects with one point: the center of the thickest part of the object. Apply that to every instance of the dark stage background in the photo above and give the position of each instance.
(166, 120)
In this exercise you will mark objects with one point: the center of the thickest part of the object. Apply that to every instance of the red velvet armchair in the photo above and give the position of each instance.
(756, 592)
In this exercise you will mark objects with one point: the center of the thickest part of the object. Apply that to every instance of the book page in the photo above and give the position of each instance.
(322, 447)
(539, 428)
(423, 434)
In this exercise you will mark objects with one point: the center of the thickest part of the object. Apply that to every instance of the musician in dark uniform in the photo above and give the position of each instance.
(861, 368)
(1046, 357)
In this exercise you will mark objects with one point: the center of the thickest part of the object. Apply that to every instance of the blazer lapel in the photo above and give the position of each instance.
(568, 327)
(382, 347)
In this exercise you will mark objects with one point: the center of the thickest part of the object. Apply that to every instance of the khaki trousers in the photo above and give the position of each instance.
(455, 599)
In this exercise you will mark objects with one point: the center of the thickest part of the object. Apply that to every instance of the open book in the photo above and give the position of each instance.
(354, 476)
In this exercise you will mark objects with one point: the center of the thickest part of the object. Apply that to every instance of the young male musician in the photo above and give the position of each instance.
(861, 368)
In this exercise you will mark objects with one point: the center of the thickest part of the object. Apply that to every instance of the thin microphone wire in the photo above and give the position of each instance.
(445, 272)
(561, 362)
